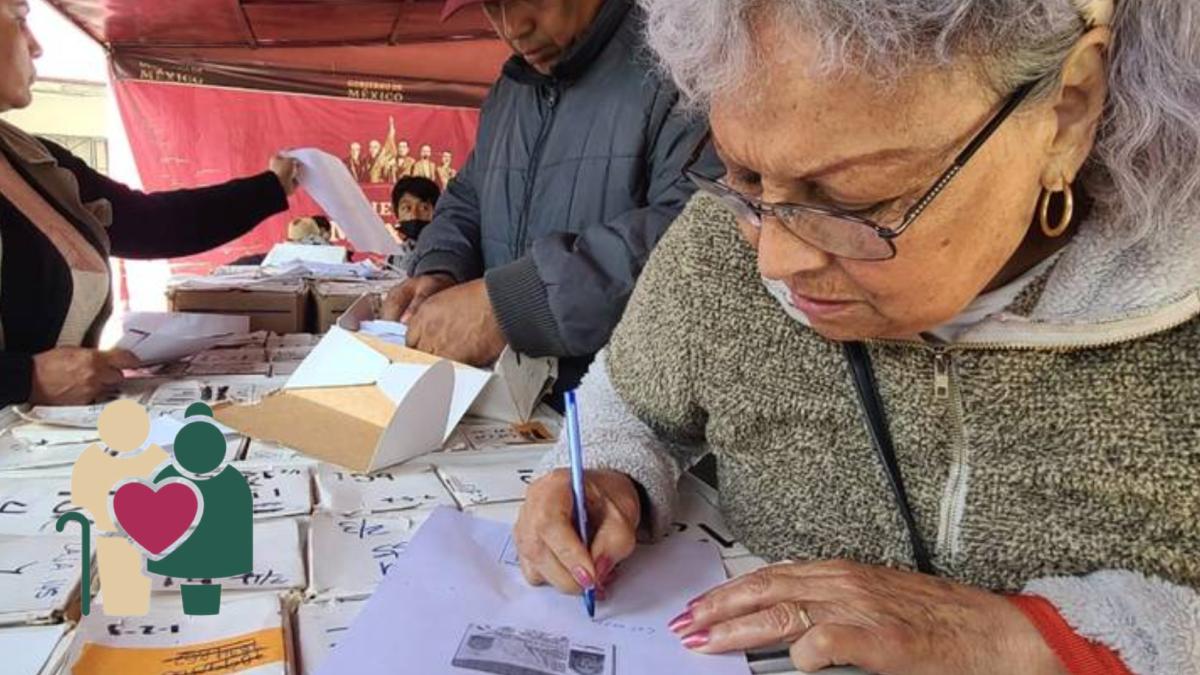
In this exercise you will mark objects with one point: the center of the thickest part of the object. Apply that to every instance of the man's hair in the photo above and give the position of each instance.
(324, 224)
(418, 186)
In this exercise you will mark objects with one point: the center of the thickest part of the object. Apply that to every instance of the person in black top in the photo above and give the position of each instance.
(59, 223)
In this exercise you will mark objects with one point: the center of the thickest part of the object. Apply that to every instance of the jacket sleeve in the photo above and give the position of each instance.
(565, 297)
(450, 243)
(642, 412)
(1153, 625)
(178, 222)
(16, 377)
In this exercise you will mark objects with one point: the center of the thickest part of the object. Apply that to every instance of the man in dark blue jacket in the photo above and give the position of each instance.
(575, 176)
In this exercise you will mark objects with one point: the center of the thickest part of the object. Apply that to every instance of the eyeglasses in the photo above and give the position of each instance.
(842, 233)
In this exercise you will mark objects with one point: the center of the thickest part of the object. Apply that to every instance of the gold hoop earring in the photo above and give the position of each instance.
(1064, 222)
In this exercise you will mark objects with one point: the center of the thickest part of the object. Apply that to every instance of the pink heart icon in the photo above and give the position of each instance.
(156, 519)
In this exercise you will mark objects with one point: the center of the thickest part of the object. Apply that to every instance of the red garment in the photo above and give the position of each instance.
(1079, 655)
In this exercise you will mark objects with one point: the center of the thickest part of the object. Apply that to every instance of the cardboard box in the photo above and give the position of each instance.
(519, 384)
(276, 306)
(362, 403)
(331, 299)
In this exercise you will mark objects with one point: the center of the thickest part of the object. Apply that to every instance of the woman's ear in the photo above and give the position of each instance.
(1080, 107)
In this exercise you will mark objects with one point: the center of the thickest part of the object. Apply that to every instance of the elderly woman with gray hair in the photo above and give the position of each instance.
(938, 321)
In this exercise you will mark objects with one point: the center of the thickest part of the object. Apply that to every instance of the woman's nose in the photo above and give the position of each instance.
(782, 254)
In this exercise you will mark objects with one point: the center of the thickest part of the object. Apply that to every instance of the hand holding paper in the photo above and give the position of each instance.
(330, 183)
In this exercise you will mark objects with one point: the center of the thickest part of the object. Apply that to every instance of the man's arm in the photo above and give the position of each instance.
(565, 297)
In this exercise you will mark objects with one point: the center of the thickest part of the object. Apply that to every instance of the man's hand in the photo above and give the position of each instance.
(77, 376)
(402, 302)
(288, 172)
(458, 324)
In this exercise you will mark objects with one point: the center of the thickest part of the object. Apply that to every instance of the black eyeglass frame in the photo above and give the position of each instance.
(762, 209)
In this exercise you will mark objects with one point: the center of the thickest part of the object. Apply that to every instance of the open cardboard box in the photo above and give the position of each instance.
(362, 403)
(519, 384)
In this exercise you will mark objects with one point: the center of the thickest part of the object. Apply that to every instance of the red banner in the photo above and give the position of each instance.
(188, 136)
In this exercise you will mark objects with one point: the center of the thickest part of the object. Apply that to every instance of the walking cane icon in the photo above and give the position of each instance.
(85, 527)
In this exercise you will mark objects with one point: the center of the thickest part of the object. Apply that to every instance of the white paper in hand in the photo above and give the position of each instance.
(329, 182)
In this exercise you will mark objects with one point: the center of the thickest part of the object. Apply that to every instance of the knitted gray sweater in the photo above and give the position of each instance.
(1054, 448)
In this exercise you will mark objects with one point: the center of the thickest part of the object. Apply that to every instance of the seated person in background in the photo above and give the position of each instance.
(575, 175)
(59, 223)
(413, 201)
(938, 321)
(311, 230)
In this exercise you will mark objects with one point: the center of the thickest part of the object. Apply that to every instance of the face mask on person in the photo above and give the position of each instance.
(411, 229)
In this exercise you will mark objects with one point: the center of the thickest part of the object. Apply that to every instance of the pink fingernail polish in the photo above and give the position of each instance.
(583, 578)
(695, 601)
(696, 640)
(681, 622)
(604, 567)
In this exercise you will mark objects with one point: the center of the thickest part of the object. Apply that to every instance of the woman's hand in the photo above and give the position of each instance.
(288, 172)
(77, 376)
(550, 549)
(876, 618)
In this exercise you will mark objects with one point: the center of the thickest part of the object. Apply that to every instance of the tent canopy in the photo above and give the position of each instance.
(336, 47)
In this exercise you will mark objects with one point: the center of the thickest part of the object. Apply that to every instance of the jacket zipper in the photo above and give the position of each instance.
(954, 495)
(518, 243)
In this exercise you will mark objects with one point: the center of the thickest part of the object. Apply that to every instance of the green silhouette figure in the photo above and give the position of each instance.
(222, 545)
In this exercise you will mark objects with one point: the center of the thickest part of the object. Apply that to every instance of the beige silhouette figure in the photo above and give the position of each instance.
(124, 427)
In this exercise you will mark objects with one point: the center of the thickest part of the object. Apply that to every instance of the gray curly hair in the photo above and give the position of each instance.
(1144, 173)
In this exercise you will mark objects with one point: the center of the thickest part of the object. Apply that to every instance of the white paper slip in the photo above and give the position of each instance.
(488, 477)
(278, 489)
(401, 488)
(31, 504)
(278, 562)
(272, 453)
(213, 390)
(158, 337)
(388, 331)
(209, 369)
(28, 650)
(231, 355)
(329, 182)
(500, 512)
(16, 455)
(349, 555)
(284, 253)
(248, 636)
(35, 433)
(453, 605)
(39, 576)
(485, 435)
(321, 625)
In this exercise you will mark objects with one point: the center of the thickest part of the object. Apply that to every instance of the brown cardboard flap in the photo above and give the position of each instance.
(306, 426)
(366, 403)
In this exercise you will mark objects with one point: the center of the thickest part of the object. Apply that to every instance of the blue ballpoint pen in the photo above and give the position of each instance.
(575, 443)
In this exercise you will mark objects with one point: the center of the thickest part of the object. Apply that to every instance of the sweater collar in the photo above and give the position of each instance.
(579, 56)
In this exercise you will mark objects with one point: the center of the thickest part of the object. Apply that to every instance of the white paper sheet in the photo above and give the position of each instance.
(321, 625)
(388, 331)
(158, 337)
(278, 490)
(38, 576)
(698, 517)
(488, 477)
(30, 505)
(349, 555)
(453, 576)
(329, 182)
(27, 649)
(278, 562)
(402, 488)
(284, 253)
(17, 456)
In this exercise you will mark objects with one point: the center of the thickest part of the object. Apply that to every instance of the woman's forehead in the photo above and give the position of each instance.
(794, 113)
